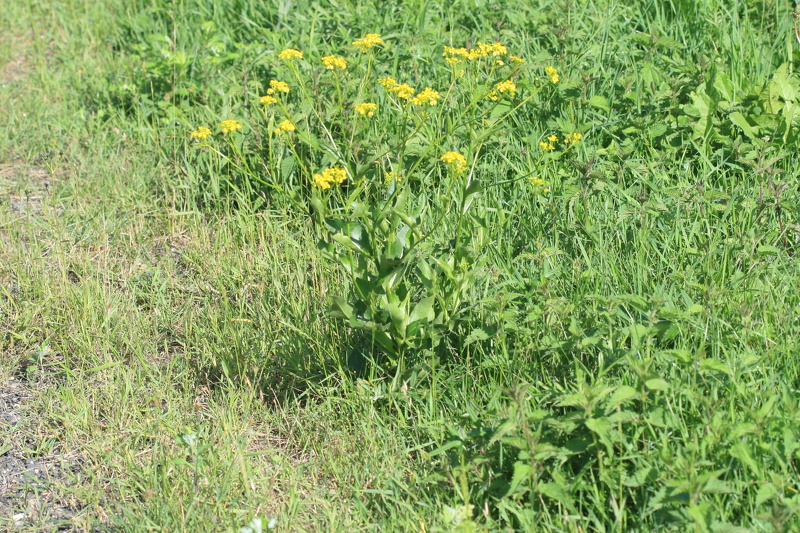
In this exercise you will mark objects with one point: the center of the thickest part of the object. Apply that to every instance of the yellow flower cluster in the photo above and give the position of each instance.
(285, 126)
(549, 144)
(368, 41)
(455, 161)
(291, 54)
(502, 87)
(552, 73)
(539, 184)
(334, 62)
(573, 138)
(200, 133)
(278, 86)
(367, 109)
(402, 90)
(454, 55)
(329, 176)
(230, 125)
(393, 176)
(427, 96)
(275, 87)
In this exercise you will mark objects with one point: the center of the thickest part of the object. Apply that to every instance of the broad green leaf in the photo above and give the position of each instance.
(556, 492)
(713, 365)
(522, 472)
(423, 310)
(623, 394)
(657, 384)
(643, 476)
(599, 102)
(765, 493)
(738, 119)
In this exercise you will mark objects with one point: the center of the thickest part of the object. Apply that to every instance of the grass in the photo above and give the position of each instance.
(621, 352)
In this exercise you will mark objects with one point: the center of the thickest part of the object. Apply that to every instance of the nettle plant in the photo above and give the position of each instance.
(389, 171)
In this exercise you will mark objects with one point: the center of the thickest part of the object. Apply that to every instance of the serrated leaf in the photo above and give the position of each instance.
(765, 493)
(554, 491)
(522, 472)
(476, 335)
(657, 384)
(713, 365)
(623, 394)
(599, 102)
(641, 477)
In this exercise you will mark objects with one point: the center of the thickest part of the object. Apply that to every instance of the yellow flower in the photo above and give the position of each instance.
(403, 90)
(546, 146)
(455, 161)
(516, 59)
(334, 62)
(502, 87)
(285, 126)
(278, 86)
(367, 109)
(553, 138)
(539, 185)
(453, 60)
(266, 100)
(428, 96)
(200, 133)
(387, 82)
(495, 49)
(368, 41)
(552, 73)
(230, 125)
(482, 50)
(393, 176)
(329, 176)
(291, 54)
(573, 138)
(455, 52)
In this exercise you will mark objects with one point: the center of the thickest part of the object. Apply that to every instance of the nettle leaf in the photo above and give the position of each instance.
(766, 492)
(599, 102)
(623, 394)
(643, 476)
(657, 384)
(557, 493)
(476, 335)
(522, 472)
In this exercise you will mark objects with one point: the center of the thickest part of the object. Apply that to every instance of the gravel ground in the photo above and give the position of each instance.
(34, 484)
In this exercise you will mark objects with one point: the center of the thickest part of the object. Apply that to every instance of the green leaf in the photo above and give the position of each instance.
(623, 394)
(643, 476)
(423, 310)
(522, 472)
(713, 365)
(657, 384)
(557, 493)
(599, 102)
(738, 119)
(765, 493)
(768, 250)
(342, 308)
(476, 335)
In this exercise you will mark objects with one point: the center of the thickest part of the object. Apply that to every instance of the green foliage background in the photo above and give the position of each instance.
(625, 355)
